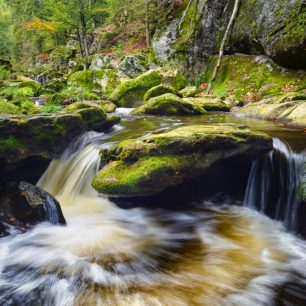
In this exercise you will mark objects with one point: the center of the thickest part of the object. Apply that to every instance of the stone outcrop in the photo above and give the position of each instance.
(27, 141)
(147, 165)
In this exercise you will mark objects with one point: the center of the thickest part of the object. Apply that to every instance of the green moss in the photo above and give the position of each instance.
(51, 108)
(247, 78)
(35, 86)
(158, 91)
(209, 104)
(188, 92)
(147, 165)
(131, 93)
(78, 105)
(187, 27)
(9, 145)
(76, 94)
(84, 79)
(119, 178)
(169, 104)
(108, 79)
(108, 106)
(28, 107)
(8, 108)
(15, 93)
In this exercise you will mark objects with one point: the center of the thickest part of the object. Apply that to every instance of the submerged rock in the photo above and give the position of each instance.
(289, 109)
(147, 165)
(25, 204)
(169, 104)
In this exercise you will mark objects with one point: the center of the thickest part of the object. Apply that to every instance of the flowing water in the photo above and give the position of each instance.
(208, 255)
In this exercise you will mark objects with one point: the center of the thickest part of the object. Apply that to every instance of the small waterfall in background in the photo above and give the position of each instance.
(273, 184)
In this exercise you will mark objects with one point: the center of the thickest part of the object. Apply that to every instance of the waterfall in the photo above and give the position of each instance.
(273, 184)
(71, 175)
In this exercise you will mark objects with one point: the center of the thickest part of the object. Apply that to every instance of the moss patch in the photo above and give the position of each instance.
(147, 165)
(8, 108)
(250, 78)
(169, 104)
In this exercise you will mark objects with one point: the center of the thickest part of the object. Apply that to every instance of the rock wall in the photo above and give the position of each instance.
(191, 33)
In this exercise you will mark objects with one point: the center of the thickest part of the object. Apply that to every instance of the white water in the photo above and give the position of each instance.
(109, 256)
(274, 182)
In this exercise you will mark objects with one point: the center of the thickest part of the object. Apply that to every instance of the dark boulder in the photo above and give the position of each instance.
(23, 204)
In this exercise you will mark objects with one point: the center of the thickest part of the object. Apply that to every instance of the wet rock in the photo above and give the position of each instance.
(169, 104)
(209, 104)
(35, 140)
(27, 204)
(147, 165)
(289, 109)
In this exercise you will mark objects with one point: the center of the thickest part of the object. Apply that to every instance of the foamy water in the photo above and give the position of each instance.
(109, 256)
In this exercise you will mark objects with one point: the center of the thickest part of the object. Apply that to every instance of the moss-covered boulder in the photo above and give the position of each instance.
(61, 55)
(147, 165)
(84, 79)
(190, 91)
(210, 104)
(289, 109)
(248, 78)
(108, 79)
(25, 140)
(169, 104)
(108, 106)
(131, 93)
(8, 108)
(273, 27)
(160, 90)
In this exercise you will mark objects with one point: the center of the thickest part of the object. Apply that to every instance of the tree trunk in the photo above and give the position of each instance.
(80, 42)
(223, 43)
(148, 24)
(84, 33)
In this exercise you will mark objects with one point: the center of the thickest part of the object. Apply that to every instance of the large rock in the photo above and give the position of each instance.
(273, 27)
(190, 32)
(133, 65)
(289, 109)
(169, 104)
(23, 204)
(147, 165)
(24, 141)
(131, 93)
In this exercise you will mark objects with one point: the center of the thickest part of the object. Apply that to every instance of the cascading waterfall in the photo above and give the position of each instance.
(108, 256)
(273, 184)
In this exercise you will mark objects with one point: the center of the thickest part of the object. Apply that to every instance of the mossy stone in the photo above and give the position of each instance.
(169, 104)
(8, 108)
(159, 90)
(147, 165)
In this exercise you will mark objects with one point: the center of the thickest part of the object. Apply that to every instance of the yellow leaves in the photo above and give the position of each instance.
(38, 24)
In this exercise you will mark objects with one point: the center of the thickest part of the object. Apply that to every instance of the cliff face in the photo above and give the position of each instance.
(191, 33)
